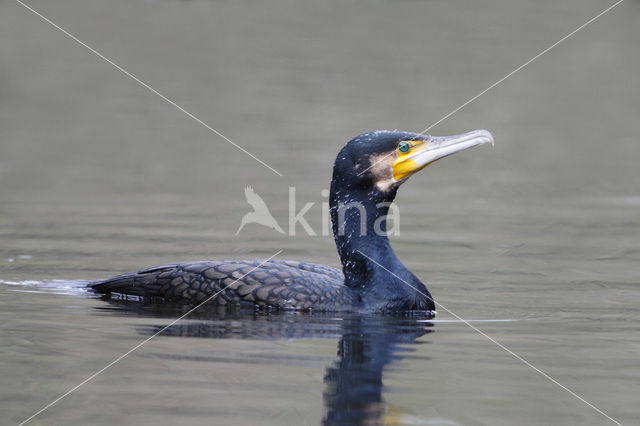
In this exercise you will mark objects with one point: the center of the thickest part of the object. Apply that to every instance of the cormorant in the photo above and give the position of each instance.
(366, 176)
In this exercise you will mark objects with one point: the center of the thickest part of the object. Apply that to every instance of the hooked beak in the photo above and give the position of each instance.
(425, 152)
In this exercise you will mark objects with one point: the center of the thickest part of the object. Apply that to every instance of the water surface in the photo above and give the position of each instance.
(99, 176)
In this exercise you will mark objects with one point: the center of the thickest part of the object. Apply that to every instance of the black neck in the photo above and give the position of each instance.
(359, 225)
(358, 215)
(369, 264)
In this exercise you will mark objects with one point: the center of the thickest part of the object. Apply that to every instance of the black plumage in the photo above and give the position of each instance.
(274, 283)
(366, 176)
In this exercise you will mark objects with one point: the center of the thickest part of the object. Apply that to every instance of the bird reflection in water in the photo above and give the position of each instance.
(353, 394)
(353, 383)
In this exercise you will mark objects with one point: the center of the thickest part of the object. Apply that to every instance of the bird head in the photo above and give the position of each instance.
(385, 159)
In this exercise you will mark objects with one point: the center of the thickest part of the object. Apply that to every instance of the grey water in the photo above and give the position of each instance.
(535, 242)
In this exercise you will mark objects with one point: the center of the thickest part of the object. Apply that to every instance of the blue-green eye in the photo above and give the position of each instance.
(404, 146)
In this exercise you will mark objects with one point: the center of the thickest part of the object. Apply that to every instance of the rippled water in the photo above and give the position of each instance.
(536, 242)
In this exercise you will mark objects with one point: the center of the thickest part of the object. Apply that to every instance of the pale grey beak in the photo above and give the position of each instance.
(442, 146)
(433, 148)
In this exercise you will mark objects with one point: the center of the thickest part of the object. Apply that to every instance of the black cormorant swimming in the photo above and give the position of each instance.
(366, 176)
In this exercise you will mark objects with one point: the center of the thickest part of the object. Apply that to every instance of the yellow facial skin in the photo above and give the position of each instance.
(404, 166)
(423, 152)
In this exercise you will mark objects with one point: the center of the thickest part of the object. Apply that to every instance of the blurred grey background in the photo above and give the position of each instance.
(98, 175)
